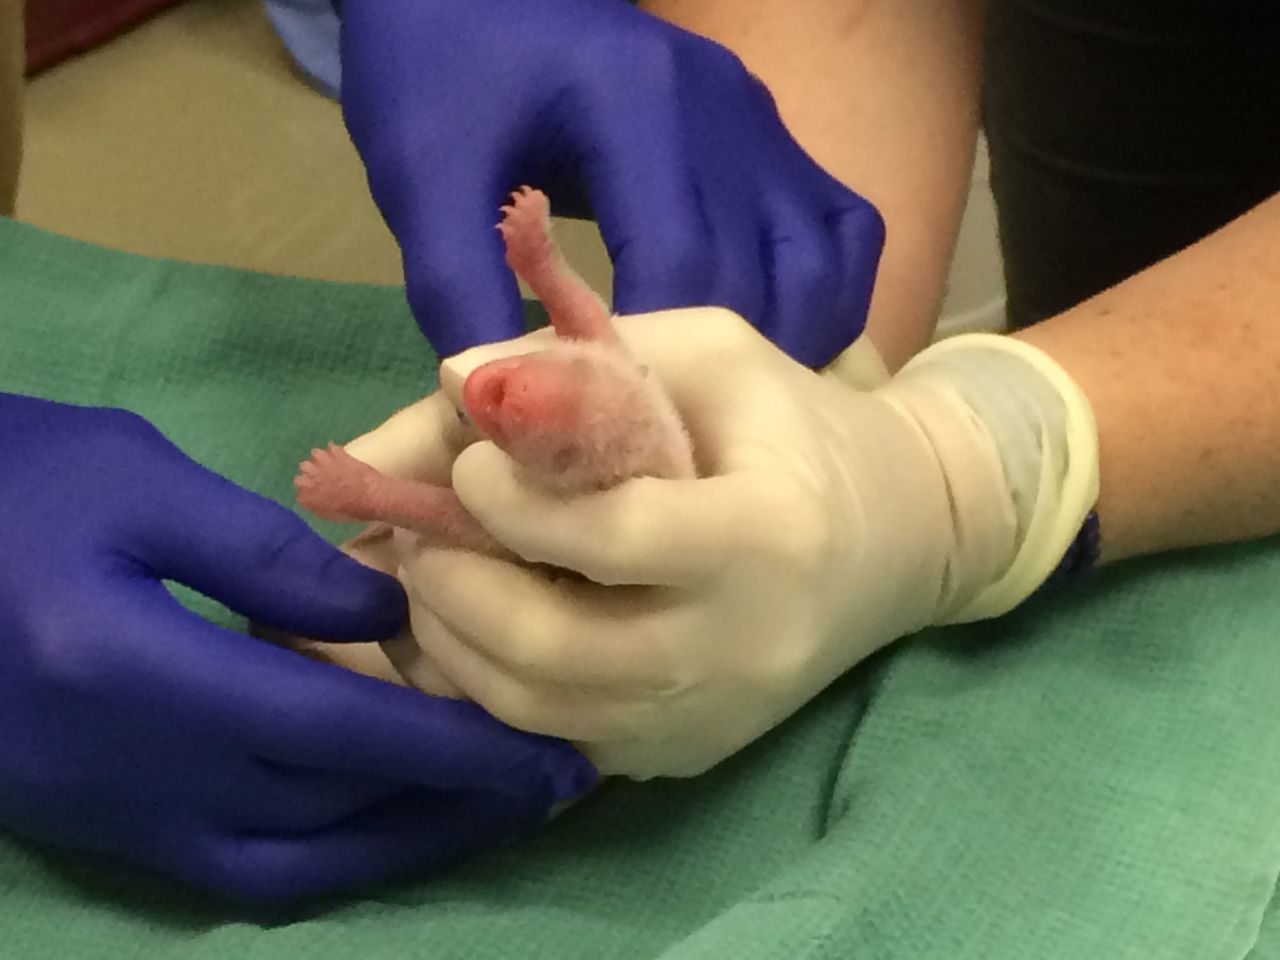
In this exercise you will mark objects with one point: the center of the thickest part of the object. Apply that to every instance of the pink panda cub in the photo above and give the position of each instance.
(579, 416)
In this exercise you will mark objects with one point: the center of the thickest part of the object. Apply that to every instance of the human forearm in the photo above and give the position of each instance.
(1181, 364)
(884, 96)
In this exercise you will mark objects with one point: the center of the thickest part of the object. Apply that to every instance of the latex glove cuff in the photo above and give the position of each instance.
(1020, 502)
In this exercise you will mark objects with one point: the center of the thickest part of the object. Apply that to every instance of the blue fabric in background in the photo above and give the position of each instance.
(310, 31)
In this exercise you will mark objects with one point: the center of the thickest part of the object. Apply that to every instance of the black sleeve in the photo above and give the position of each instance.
(1121, 131)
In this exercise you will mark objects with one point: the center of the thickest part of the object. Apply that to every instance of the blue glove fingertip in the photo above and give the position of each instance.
(365, 603)
(575, 778)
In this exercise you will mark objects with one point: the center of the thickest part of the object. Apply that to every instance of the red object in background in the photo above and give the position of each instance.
(58, 29)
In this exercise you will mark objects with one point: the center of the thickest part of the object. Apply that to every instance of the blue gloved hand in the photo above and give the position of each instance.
(701, 194)
(131, 727)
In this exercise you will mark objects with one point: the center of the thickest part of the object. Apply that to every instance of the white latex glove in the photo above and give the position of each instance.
(830, 522)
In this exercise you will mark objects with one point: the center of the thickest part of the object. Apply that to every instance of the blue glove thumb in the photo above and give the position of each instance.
(235, 546)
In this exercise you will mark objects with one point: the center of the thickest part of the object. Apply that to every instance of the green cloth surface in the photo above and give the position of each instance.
(1095, 776)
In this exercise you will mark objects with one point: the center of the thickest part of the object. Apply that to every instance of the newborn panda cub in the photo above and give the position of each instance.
(577, 417)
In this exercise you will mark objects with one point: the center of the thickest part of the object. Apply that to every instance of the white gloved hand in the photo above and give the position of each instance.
(830, 522)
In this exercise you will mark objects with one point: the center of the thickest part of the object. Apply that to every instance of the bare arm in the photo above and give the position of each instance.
(883, 94)
(1182, 366)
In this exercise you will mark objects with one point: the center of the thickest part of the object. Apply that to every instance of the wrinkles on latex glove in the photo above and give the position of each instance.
(702, 195)
(136, 729)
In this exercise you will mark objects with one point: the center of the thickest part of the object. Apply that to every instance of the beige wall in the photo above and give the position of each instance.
(11, 63)
(192, 138)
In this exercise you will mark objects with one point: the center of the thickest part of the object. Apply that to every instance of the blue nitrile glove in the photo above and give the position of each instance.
(131, 727)
(701, 194)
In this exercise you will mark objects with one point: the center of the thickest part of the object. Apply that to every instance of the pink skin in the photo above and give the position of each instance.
(579, 416)
(575, 311)
(338, 486)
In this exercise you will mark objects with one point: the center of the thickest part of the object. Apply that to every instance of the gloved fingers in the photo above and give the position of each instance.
(456, 277)
(419, 441)
(438, 193)
(651, 212)
(286, 708)
(859, 233)
(573, 711)
(421, 830)
(268, 796)
(642, 532)
(804, 271)
(737, 228)
(256, 557)
(561, 631)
